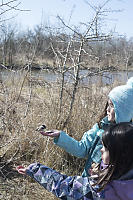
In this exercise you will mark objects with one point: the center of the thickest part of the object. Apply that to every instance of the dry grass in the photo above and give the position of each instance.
(25, 104)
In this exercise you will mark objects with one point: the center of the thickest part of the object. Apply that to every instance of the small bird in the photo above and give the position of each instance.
(41, 128)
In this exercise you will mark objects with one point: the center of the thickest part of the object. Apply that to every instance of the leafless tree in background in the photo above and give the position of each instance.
(77, 54)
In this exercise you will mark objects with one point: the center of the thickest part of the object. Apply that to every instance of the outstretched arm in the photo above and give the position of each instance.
(77, 148)
(62, 186)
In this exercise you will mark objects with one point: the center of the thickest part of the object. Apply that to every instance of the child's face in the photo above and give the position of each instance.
(105, 155)
(110, 111)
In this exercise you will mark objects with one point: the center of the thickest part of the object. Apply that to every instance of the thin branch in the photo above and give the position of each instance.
(9, 4)
(68, 26)
(75, 84)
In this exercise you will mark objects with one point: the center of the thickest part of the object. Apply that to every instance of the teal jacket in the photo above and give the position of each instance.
(89, 146)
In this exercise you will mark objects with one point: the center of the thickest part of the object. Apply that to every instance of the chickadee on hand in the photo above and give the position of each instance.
(41, 128)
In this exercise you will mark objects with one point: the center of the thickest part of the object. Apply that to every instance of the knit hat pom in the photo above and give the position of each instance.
(130, 82)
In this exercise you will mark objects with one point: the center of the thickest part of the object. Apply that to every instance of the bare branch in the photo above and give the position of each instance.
(70, 28)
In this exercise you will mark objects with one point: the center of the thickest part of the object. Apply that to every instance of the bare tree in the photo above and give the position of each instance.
(77, 54)
(6, 7)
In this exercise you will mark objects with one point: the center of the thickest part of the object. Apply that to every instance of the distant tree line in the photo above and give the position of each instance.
(85, 46)
(44, 47)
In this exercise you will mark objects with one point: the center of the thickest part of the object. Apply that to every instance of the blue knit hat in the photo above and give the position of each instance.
(122, 99)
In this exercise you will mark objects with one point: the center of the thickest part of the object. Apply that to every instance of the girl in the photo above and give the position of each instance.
(119, 108)
(113, 179)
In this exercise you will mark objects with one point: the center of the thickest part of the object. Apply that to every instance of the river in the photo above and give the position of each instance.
(49, 76)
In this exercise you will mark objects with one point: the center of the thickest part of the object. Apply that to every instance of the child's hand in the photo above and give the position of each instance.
(21, 170)
(94, 169)
(52, 133)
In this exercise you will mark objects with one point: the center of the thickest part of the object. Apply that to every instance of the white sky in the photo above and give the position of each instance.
(45, 11)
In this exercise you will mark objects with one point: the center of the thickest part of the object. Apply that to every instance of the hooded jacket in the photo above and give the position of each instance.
(78, 187)
(90, 144)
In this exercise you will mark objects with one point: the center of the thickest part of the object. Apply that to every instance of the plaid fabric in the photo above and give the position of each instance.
(62, 186)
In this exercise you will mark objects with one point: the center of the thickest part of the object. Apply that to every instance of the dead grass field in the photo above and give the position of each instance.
(25, 104)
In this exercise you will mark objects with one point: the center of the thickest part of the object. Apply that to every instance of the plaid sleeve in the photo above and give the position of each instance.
(62, 186)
